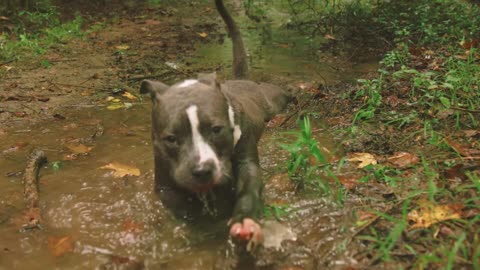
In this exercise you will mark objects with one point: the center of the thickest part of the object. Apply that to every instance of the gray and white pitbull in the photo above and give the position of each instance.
(205, 137)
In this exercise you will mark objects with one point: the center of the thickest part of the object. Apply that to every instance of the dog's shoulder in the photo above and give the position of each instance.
(256, 99)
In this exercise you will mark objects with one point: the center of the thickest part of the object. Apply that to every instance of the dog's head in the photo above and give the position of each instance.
(193, 132)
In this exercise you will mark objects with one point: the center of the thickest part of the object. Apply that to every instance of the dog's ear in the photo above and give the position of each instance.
(209, 79)
(153, 87)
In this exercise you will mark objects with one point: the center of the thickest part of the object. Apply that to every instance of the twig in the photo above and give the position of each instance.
(31, 189)
(465, 110)
(64, 60)
(297, 110)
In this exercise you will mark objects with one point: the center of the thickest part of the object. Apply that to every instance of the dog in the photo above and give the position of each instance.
(205, 135)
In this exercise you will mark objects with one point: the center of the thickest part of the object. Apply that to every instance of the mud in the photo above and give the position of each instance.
(93, 220)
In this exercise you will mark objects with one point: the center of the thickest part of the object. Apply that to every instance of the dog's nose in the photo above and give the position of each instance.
(204, 170)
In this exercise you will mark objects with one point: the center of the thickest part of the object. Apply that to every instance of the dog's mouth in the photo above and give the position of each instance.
(204, 188)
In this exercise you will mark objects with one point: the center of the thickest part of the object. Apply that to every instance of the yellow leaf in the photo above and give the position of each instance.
(115, 106)
(122, 47)
(128, 95)
(109, 98)
(365, 159)
(429, 214)
(79, 149)
(121, 170)
(203, 34)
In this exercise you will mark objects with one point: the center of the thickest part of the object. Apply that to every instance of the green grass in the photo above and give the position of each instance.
(307, 166)
(38, 32)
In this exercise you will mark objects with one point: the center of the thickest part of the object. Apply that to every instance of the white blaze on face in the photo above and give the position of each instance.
(237, 133)
(187, 83)
(204, 150)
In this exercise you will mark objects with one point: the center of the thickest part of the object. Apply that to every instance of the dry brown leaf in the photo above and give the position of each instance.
(349, 181)
(471, 132)
(79, 149)
(462, 149)
(403, 159)
(429, 214)
(365, 159)
(60, 245)
(121, 170)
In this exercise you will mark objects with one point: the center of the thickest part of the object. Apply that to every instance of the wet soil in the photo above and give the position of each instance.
(94, 220)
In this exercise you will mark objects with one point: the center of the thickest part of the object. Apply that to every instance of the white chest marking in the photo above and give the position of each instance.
(204, 150)
(187, 83)
(237, 133)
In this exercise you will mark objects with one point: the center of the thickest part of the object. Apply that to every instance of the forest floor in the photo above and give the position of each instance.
(402, 192)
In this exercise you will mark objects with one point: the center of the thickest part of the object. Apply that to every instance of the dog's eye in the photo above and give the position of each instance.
(170, 138)
(217, 129)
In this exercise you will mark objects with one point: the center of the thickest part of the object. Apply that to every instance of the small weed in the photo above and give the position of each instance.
(307, 163)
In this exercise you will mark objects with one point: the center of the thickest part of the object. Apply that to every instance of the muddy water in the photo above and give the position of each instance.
(108, 221)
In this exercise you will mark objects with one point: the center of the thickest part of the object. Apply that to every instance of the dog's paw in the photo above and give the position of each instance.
(248, 231)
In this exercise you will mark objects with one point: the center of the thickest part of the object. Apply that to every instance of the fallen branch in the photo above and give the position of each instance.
(31, 188)
(464, 110)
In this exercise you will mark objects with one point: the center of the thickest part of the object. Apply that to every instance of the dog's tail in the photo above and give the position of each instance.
(240, 64)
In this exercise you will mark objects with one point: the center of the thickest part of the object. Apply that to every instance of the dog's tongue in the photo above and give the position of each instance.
(204, 188)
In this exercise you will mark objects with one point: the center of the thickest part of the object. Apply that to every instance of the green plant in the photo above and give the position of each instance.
(305, 158)
(385, 244)
(370, 91)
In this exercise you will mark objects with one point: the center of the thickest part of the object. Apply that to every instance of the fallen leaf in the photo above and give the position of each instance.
(461, 149)
(87, 93)
(329, 37)
(60, 245)
(203, 34)
(121, 170)
(115, 106)
(365, 159)
(471, 132)
(365, 215)
(403, 159)
(349, 181)
(429, 214)
(455, 172)
(122, 47)
(79, 149)
(128, 95)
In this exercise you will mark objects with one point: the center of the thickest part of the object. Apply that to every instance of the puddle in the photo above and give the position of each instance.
(105, 217)
(282, 52)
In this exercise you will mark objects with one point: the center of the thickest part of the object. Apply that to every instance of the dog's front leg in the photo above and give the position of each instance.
(248, 207)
